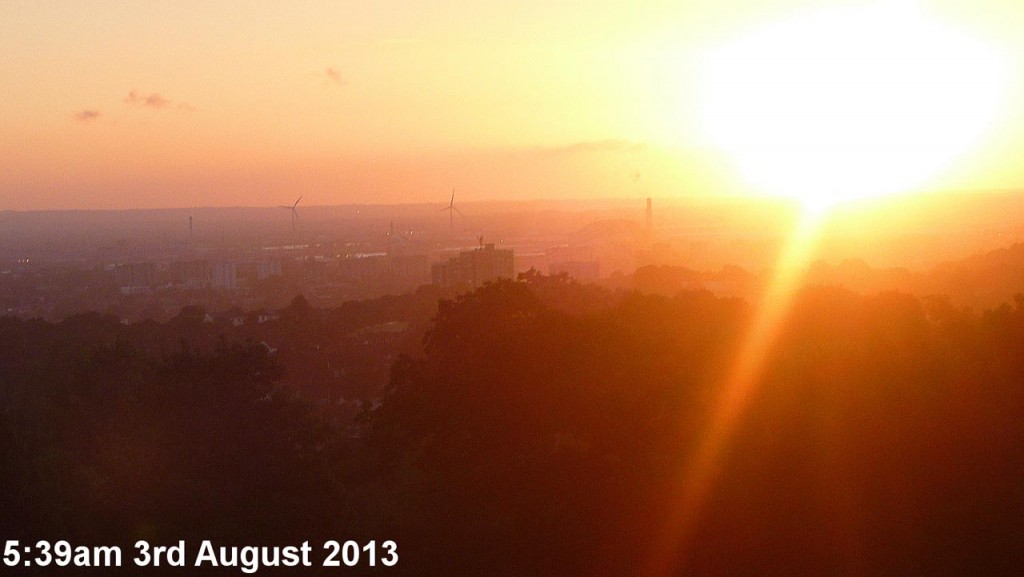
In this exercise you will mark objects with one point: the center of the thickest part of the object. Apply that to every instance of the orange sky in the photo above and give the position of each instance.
(120, 104)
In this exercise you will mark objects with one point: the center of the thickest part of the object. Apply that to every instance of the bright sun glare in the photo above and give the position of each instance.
(827, 108)
(848, 104)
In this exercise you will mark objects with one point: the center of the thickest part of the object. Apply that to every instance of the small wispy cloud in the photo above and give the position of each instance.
(186, 107)
(334, 75)
(152, 100)
(86, 115)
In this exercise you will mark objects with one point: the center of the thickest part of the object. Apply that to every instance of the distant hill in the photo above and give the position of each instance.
(979, 281)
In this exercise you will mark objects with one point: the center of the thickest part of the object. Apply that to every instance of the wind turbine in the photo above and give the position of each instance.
(451, 213)
(295, 213)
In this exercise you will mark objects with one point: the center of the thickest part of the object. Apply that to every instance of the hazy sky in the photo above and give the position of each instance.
(111, 104)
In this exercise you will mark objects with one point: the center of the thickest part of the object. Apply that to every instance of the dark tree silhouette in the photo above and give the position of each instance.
(540, 429)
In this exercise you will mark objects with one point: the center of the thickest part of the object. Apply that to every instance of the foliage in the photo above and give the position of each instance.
(541, 429)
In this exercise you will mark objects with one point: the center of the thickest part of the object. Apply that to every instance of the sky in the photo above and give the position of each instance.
(111, 104)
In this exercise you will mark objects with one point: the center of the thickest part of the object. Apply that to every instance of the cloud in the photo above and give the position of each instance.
(186, 107)
(152, 100)
(157, 101)
(334, 75)
(85, 115)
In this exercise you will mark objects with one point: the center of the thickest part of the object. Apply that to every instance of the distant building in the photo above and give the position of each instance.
(250, 273)
(266, 316)
(225, 275)
(380, 267)
(267, 268)
(314, 269)
(474, 267)
(135, 277)
(191, 273)
(363, 267)
(389, 333)
(408, 268)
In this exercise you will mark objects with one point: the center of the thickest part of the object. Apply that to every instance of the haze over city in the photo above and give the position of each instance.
(580, 289)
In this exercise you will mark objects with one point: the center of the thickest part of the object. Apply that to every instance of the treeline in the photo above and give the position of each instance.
(542, 430)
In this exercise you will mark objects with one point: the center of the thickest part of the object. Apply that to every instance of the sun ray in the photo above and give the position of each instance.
(696, 481)
(827, 108)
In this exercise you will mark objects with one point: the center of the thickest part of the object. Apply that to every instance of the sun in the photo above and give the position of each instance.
(846, 104)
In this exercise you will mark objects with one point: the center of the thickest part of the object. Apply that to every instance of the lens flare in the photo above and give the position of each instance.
(699, 477)
(825, 108)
